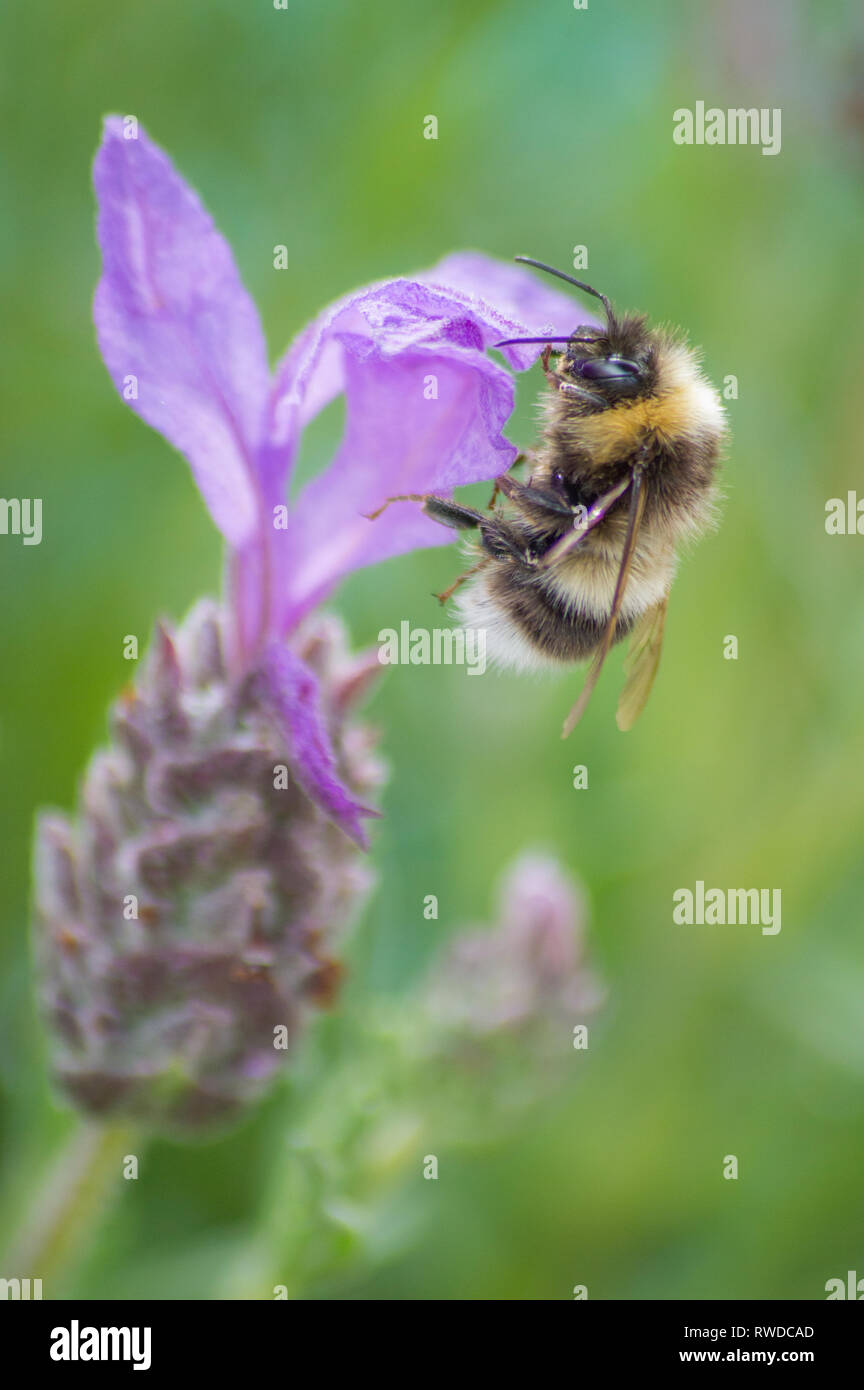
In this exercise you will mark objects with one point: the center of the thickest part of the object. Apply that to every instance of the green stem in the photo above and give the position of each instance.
(70, 1203)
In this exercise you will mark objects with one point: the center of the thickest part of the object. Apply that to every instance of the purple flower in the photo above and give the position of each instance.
(529, 972)
(506, 1010)
(186, 916)
(425, 407)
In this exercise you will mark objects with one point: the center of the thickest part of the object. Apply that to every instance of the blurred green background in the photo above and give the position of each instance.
(304, 127)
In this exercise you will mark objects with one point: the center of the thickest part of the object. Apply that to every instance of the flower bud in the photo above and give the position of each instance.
(525, 978)
(186, 916)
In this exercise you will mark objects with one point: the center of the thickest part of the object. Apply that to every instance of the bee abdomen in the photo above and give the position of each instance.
(528, 626)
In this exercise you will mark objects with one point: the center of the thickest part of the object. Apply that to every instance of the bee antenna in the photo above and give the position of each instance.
(507, 342)
(580, 284)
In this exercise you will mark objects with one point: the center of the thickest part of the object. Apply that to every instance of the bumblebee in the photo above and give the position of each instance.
(583, 553)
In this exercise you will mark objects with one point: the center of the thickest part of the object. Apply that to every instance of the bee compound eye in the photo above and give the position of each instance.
(609, 369)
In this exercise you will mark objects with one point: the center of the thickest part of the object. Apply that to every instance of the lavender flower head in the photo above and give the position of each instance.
(506, 1009)
(187, 915)
(526, 975)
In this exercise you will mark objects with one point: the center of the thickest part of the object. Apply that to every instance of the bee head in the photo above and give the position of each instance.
(615, 362)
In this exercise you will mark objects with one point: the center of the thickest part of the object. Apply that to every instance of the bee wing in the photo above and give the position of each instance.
(640, 665)
(637, 506)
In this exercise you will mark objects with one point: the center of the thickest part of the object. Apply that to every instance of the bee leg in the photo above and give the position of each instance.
(452, 513)
(520, 458)
(495, 535)
(439, 508)
(499, 541)
(402, 497)
(533, 497)
(569, 388)
(499, 538)
(449, 592)
(544, 359)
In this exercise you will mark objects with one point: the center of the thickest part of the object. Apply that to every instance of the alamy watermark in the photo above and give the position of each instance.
(844, 516)
(448, 646)
(850, 1287)
(714, 907)
(77, 1343)
(21, 516)
(735, 126)
(20, 1289)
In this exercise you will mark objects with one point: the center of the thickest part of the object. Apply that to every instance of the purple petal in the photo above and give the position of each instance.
(502, 300)
(290, 690)
(172, 314)
(396, 441)
(425, 411)
(520, 300)
(391, 348)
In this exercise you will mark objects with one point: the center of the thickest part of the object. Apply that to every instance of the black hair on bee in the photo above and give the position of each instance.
(583, 553)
